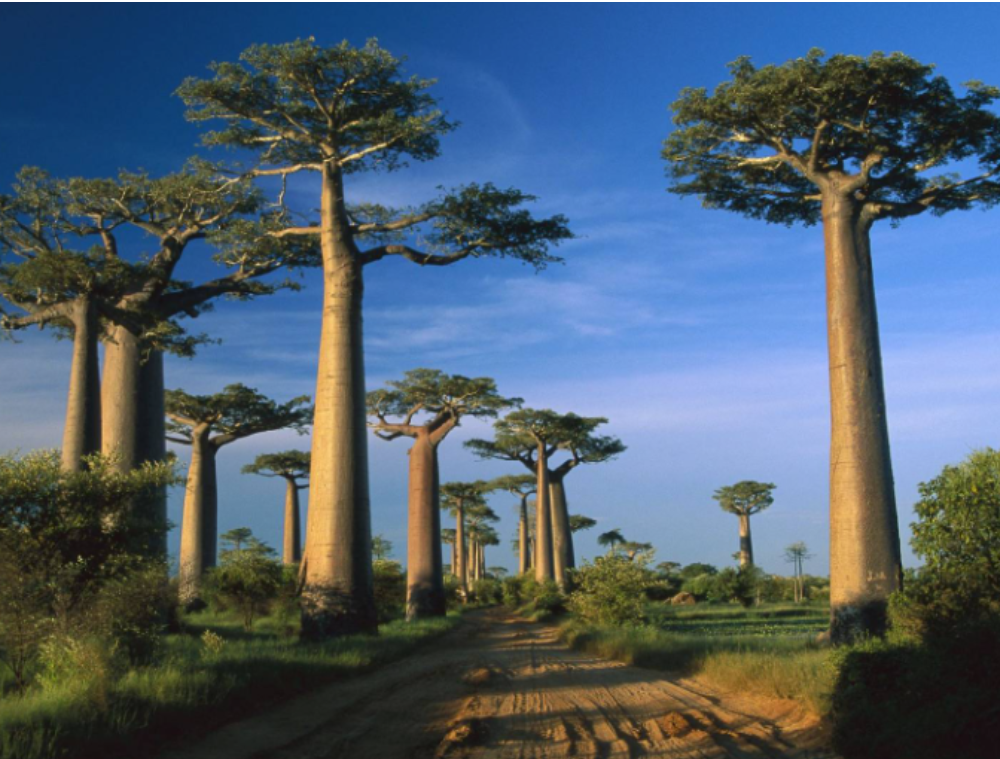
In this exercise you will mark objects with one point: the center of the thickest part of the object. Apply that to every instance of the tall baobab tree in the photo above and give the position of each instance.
(458, 498)
(846, 141)
(338, 111)
(532, 437)
(796, 554)
(522, 486)
(207, 423)
(480, 534)
(744, 499)
(61, 286)
(439, 401)
(448, 537)
(293, 468)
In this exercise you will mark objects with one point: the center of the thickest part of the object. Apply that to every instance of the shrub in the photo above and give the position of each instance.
(390, 589)
(513, 591)
(248, 575)
(611, 591)
(487, 591)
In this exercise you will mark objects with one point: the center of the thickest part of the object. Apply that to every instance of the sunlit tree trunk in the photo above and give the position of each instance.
(82, 434)
(865, 564)
(543, 522)
(292, 544)
(459, 563)
(562, 538)
(199, 524)
(746, 543)
(524, 557)
(424, 579)
(338, 594)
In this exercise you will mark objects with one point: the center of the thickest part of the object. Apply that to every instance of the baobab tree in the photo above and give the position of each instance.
(439, 401)
(448, 538)
(846, 141)
(522, 486)
(337, 111)
(480, 534)
(293, 468)
(57, 283)
(458, 497)
(578, 522)
(207, 423)
(744, 499)
(796, 554)
(532, 437)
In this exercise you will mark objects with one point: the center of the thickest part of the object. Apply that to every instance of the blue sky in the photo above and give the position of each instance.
(699, 334)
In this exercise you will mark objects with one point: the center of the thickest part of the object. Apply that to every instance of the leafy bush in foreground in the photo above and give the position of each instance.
(611, 591)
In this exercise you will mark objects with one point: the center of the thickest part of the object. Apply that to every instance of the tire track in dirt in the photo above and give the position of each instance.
(504, 688)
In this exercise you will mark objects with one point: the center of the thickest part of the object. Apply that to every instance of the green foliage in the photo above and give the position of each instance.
(248, 575)
(883, 129)
(237, 412)
(578, 522)
(487, 592)
(390, 589)
(611, 591)
(381, 548)
(745, 498)
(513, 593)
(291, 464)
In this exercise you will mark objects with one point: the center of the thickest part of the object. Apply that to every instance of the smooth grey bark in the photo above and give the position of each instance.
(338, 592)
(544, 569)
(460, 570)
(82, 433)
(425, 595)
(562, 536)
(199, 526)
(133, 427)
(865, 563)
(524, 557)
(746, 544)
(291, 540)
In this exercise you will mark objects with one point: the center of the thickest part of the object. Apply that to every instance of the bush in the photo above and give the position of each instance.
(487, 591)
(248, 576)
(513, 591)
(611, 591)
(390, 589)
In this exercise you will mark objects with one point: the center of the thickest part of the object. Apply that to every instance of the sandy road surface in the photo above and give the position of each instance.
(503, 688)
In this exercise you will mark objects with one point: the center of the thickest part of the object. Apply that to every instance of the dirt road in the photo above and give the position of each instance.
(503, 688)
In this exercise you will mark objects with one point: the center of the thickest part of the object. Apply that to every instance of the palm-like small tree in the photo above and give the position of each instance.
(611, 540)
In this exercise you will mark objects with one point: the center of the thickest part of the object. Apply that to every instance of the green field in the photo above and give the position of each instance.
(766, 620)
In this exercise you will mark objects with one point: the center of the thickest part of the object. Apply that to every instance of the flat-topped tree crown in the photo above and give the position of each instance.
(882, 131)
(521, 485)
(745, 498)
(464, 495)
(437, 400)
(578, 522)
(293, 465)
(237, 412)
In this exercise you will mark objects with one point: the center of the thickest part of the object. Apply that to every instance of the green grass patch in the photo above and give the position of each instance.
(767, 651)
(193, 688)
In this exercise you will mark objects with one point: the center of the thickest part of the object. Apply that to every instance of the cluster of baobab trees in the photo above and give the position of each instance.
(425, 406)
(842, 140)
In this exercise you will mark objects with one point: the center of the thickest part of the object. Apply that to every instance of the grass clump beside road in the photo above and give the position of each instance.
(769, 650)
(212, 674)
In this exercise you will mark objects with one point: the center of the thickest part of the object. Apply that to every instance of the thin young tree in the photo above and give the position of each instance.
(293, 468)
(845, 141)
(522, 486)
(744, 499)
(381, 548)
(796, 554)
(338, 111)
(458, 497)
(426, 405)
(207, 423)
(532, 437)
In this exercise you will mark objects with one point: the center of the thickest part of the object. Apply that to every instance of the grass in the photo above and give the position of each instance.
(191, 689)
(769, 650)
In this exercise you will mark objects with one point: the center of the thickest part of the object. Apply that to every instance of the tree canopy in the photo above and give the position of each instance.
(304, 107)
(745, 498)
(237, 412)
(455, 495)
(292, 465)
(883, 130)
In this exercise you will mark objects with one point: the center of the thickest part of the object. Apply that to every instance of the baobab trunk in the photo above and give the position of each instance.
(543, 522)
(746, 544)
(292, 545)
(424, 580)
(459, 565)
(865, 564)
(200, 519)
(82, 434)
(524, 558)
(337, 596)
(132, 421)
(562, 538)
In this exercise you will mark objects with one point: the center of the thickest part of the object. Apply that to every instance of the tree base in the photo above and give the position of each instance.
(333, 614)
(425, 604)
(853, 622)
